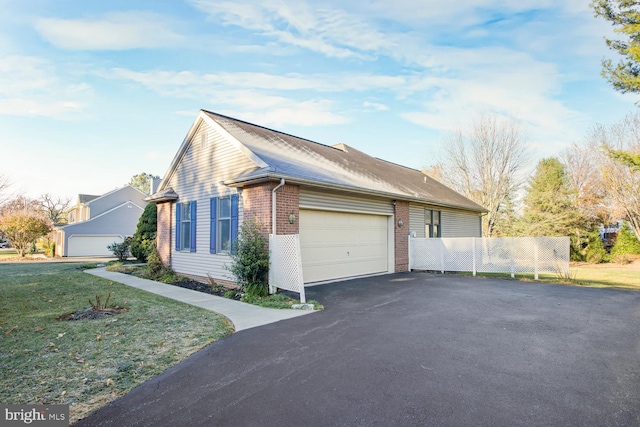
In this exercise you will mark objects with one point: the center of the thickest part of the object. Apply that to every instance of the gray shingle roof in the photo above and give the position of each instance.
(339, 166)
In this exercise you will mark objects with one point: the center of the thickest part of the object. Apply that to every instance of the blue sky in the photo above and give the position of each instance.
(93, 92)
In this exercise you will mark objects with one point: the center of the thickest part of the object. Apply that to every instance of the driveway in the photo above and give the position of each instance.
(413, 349)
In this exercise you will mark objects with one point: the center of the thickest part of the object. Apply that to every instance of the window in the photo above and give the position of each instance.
(432, 223)
(224, 224)
(186, 226)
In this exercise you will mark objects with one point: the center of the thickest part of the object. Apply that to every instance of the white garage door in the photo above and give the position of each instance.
(91, 245)
(337, 245)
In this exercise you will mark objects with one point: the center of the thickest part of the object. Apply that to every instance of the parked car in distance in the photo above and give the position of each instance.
(4, 244)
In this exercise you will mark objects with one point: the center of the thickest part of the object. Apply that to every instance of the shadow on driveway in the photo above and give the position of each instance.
(413, 349)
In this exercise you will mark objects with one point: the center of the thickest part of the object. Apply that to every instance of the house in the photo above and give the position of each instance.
(353, 212)
(98, 221)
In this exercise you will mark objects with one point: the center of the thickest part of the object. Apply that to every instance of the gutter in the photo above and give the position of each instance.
(268, 176)
(273, 206)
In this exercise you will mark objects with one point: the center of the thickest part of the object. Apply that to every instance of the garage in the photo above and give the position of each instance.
(342, 244)
(91, 245)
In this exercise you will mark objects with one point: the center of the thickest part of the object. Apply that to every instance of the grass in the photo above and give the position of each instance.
(590, 275)
(87, 363)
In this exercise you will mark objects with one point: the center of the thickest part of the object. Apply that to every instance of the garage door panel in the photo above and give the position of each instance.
(91, 245)
(338, 244)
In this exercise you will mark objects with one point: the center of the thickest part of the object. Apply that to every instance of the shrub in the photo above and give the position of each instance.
(144, 239)
(22, 230)
(626, 243)
(596, 252)
(250, 259)
(121, 250)
(156, 270)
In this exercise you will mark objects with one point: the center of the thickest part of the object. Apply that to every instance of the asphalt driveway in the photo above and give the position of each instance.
(413, 349)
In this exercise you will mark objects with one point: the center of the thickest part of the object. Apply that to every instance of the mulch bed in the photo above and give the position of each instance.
(206, 288)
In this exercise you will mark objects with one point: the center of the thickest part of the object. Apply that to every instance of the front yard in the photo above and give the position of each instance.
(87, 363)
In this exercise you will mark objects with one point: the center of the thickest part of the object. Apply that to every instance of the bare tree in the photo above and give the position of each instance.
(484, 163)
(620, 181)
(19, 205)
(582, 165)
(5, 183)
(54, 207)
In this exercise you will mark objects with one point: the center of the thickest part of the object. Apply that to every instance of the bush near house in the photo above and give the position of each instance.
(250, 259)
(144, 239)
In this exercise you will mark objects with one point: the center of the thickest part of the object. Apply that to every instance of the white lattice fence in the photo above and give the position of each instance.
(491, 255)
(285, 268)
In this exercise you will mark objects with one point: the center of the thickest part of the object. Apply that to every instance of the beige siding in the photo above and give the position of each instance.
(453, 223)
(416, 220)
(312, 199)
(460, 224)
(204, 165)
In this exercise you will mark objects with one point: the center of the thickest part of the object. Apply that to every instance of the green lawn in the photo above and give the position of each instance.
(87, 363)
(592, 275)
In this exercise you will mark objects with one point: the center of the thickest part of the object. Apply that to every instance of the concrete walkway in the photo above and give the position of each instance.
(242, 315)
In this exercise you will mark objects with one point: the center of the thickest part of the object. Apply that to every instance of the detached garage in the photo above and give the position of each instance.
(99, 221)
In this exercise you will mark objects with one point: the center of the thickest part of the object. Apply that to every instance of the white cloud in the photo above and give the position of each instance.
(115, 31)
(306, 113)
(374, 106)
(32, 86)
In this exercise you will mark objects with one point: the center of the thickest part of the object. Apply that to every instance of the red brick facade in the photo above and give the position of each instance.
(257, 203)
(401, 235)
(163, 237)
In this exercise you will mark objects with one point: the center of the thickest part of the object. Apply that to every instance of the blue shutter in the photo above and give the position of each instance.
(234, 222)
(212, 230)
(193, 227)
(178, 209)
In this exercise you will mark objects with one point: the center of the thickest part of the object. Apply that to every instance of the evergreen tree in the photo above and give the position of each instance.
(626, 243)
(549, 203)
(144, 239)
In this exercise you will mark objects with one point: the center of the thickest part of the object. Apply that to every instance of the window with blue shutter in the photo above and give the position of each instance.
(186, 226)
(223, 224)
(234, 221)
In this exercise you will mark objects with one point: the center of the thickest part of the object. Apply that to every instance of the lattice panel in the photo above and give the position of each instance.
(285, 269)
(491, 255)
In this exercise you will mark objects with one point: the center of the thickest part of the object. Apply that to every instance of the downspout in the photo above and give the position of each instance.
(273, 206)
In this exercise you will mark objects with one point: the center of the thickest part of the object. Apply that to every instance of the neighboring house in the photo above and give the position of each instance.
(98, 221)
(354, 213)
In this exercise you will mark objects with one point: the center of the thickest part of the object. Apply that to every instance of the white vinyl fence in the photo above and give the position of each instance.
(491, 255)
(285, 264)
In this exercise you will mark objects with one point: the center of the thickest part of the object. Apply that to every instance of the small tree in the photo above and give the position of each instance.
(144, 239)
(22, 230)
(121, 250)
(142, 182)
(626, 243)
(595, 252)
(250, 259)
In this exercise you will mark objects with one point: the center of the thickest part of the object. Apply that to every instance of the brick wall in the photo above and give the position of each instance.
(288, 201)
(257, 203)
(401, 235)
(163, 237)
